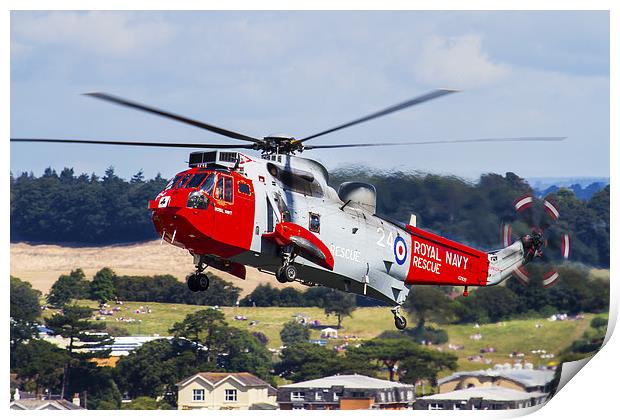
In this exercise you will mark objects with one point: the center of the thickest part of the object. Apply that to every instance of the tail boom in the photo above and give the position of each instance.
(436, 260)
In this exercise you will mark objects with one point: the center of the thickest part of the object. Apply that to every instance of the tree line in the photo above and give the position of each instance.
(107, 285)
(202, 341)
(87, 209)
(83, 209)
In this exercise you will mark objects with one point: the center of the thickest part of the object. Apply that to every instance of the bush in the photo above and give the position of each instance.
(419, 335)
(598, 322)
(294, 333)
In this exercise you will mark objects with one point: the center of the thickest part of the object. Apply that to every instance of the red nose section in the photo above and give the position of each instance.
(307, 243)
(220, 223)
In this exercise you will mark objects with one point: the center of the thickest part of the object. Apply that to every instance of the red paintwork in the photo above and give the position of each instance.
(223, 229)
(283, 232)
(436, 260)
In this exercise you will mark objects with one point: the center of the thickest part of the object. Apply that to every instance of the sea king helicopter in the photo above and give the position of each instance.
(276, 212)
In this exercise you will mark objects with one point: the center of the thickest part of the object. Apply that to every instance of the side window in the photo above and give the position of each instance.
(228, 189)
(219, 188)
(315, 223)
(244, 188)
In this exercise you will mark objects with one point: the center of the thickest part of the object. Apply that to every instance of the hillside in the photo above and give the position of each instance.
(42, 264)
(366, 323)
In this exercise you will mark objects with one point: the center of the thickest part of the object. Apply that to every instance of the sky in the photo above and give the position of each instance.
(524, 73)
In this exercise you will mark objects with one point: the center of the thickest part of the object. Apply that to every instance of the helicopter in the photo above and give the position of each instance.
(277, 212)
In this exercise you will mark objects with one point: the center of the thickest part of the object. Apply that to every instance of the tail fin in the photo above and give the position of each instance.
(505, 262)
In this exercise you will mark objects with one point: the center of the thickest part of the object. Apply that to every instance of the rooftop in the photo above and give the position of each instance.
(526, 377)
(44, 405)
(347, 381)
(245, 378)
(493, 393)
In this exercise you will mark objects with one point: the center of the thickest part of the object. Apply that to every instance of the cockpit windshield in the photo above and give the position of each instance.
(207, 186)
(196, 180)
(172, 182)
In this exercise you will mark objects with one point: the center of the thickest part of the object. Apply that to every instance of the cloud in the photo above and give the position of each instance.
(457, 61)
(99, 33)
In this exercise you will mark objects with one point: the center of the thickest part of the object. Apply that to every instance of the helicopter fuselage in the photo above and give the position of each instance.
(228, 216)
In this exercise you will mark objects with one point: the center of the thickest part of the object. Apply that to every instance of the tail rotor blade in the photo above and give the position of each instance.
(523, 206)
(506, 236)
(550, 278)
(522, 275)
(552, 214)
(565, 246)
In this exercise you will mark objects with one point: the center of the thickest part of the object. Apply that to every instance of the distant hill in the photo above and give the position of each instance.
(584, 187)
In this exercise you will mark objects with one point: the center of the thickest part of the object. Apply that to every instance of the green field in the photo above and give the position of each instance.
(506, 337)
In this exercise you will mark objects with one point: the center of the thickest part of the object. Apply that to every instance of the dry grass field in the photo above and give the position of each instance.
(42, 264)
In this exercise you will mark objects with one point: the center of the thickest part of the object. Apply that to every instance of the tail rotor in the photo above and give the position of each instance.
(535, 226)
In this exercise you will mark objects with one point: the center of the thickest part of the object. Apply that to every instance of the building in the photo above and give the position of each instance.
(484, 398)
(22, 401)
(44, 405)
(225, 391)
(345, 392)
(524, 379)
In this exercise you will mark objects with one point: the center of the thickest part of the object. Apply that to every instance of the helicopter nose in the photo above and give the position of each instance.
(180, 219)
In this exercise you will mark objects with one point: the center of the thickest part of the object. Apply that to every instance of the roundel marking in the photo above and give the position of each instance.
(400, 250)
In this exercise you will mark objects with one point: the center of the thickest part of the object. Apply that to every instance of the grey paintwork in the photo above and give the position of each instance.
(362, 244)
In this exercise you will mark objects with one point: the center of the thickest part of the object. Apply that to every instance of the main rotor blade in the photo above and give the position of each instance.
(489, 140)
(415, 101)
(176, 117)
(135, 143)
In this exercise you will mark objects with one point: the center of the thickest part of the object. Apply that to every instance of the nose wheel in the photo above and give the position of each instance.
(198, 282)
(399, 320)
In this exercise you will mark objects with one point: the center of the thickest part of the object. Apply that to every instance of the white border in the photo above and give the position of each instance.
(591, 394)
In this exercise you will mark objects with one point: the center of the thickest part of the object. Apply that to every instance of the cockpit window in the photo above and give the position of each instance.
(208, 184)
(196, 180)
(183, 180)
(171, 183)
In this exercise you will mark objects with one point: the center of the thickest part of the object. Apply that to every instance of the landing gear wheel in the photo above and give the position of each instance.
(203, 282)
(290, 272)
(197, 282)
(280, 275)
(192, 283)
(400, 322)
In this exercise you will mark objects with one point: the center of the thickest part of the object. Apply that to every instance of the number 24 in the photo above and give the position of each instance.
(382, 242)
